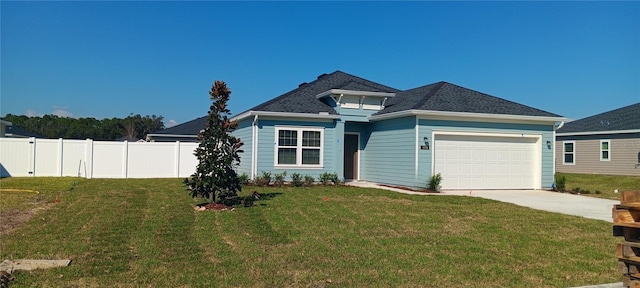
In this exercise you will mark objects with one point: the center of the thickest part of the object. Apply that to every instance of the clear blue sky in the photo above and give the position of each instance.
(110, 59)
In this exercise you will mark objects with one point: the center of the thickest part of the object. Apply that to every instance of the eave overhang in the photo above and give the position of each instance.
(599, 132)
(467, 116)
(319, 116)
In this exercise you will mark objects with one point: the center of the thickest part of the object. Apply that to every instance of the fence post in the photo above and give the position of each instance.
(60, 157)
(88, 158)
(32, 155)
(125, 159)
(177, 157)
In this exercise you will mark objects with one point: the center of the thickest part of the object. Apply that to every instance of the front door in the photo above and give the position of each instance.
(351, 156)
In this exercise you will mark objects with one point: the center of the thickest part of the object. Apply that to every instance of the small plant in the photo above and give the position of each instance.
(278, 178)
(244, 179)
(264, 179)
(434, 182)
(560, 183)
(334, 178)
(309, 180)
(598, 192)
(326, 178)
(578, 190)
(296, 180)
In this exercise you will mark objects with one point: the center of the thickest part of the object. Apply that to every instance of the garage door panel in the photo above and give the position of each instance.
(483, 162)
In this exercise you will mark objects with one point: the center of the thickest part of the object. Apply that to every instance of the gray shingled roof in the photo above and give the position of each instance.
(440, 96)
(443, 96)
(16, 131)
(192, 127)
(625, 118)
(303, 99)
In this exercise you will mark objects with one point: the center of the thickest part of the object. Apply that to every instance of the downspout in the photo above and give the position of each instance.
(555, 128)
(254, 146)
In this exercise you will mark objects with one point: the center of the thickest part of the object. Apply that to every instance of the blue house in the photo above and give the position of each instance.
(366, 131)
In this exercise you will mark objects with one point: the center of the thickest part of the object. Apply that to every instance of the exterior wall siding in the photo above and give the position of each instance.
(266, 147)
(426, 128)
(389, 152)
(624, 151)
(245, 133)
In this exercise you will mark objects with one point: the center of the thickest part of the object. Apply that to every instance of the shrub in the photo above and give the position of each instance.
(264, 179)
(434, 182)
(560, 183)
(326, 178)
(309, 180)
(598, 192)
(244, 179)
(296, 180)
(278, 178)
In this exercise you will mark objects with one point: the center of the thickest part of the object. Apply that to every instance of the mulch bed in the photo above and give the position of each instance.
(213, 206)
(410, 189)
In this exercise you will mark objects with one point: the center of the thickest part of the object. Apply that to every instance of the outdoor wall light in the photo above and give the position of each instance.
(548, 144)
(426, 144)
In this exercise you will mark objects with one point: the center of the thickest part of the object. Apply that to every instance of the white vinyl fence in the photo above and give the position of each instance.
(20, 157)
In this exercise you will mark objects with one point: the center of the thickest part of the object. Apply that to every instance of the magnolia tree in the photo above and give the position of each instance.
(217, 154)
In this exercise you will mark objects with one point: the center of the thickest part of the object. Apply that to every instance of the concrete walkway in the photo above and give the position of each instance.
(577, 205)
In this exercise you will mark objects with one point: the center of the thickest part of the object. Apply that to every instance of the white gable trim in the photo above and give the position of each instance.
(353, 92)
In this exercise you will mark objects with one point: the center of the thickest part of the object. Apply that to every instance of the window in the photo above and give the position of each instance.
(568, 152)
(301, 147)
(605, 150)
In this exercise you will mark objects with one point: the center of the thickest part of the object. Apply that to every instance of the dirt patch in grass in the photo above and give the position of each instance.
(12, 218)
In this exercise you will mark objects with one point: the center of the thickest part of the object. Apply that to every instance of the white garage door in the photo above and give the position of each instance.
(479, 162)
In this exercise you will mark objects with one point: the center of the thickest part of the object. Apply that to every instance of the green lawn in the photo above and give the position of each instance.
(605, 184)
(145, 233)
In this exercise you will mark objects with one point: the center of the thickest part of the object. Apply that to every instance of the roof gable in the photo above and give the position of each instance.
(625, 118)
(303, 99)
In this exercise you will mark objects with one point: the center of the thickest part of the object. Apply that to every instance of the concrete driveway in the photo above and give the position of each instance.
(577, 205)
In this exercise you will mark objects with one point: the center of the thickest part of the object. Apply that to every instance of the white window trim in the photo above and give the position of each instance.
(565, 152)
(299, 147)
(608, 150)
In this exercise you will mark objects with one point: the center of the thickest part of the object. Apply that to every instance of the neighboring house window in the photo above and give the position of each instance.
(297, 146)
(605, 150)
(568, 153)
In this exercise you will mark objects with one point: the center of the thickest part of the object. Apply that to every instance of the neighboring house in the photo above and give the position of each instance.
(3, 127)
(18, 132)
(7, 129)
(607, 143)
(185, 132)
(362, 130)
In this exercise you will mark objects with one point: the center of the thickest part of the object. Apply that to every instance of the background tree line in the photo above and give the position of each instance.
(132, 128)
